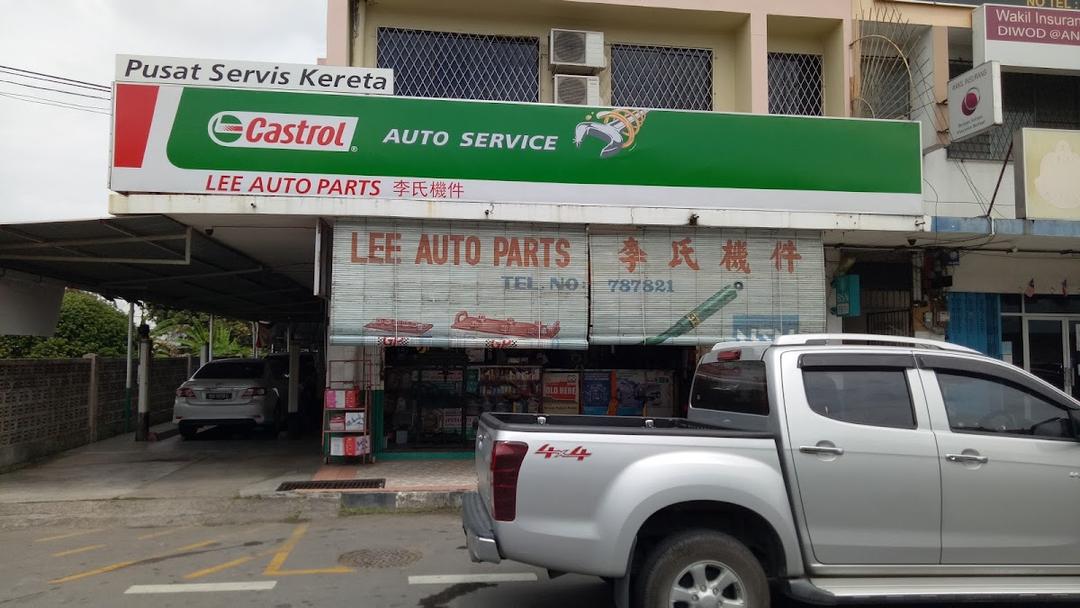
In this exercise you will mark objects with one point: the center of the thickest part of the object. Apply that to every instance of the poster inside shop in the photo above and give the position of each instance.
(562, 392)
(628, 392)
(459, 284)
(689, 286)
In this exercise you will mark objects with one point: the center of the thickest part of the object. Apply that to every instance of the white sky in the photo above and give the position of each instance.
(53, 161)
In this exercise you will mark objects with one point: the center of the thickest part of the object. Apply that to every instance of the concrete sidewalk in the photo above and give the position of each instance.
(411, 485)
(216, 478)
(213, 479)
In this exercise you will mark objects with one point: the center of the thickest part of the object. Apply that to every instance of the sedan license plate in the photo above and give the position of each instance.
(219, 396)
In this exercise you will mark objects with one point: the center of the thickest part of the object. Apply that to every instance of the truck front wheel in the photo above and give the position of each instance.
(702, 569)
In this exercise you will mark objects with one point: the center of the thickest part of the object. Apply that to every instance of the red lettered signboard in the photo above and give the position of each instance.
(1022, 36)
(562, 392)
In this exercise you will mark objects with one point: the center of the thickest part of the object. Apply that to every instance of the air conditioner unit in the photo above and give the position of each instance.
(577, 90)
(577, 49)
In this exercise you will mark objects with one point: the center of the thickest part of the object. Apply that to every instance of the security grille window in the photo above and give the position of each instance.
(1028, 100)
(795, 84)
(661, 77)
(885, 88)
(461, 66)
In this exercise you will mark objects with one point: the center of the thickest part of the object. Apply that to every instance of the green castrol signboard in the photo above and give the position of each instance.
(185, 139)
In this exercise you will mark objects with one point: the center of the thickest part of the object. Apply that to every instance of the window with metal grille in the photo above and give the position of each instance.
(461, 66)
(795, 84)
(885, 88)
(661, 77)
(1028, 100)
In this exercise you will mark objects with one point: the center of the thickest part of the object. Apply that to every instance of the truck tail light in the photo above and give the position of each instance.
(255, 391)
(506, 459)
(184, 391)
(729, 355)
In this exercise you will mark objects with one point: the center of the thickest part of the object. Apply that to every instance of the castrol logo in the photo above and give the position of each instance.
(282, 131)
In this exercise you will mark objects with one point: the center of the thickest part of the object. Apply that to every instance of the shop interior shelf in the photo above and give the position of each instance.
(330, 432)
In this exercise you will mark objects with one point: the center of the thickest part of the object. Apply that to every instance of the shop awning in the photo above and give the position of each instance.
(157, 259)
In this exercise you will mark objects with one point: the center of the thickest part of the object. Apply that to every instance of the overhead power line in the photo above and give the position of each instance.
(34, 86)
(52, 102)
(95, 88)
(63, 79)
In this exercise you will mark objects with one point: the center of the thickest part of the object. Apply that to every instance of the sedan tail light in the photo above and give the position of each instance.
(506, 459)
(255, 391)
(184, 391)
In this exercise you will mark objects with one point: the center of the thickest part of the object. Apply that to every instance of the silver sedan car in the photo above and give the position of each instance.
(245, 393)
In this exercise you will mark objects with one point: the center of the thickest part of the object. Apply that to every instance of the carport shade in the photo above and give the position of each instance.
(160, 260)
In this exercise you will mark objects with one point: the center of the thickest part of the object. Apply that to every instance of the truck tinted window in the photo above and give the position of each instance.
(731, 386)
(979, 404)
(877, 397)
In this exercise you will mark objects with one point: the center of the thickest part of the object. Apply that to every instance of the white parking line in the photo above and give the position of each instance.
(454, 579)
(202, 587)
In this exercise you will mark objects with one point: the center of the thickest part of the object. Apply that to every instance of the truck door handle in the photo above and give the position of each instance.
(821, 449)
(967, 458)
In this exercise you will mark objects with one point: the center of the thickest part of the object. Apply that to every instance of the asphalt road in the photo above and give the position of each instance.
(371, 561)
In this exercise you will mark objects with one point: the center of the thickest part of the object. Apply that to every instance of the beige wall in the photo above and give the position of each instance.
(919, 14)
(739, 33)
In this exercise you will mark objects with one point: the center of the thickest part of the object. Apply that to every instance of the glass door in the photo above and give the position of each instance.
(1073, 340)
(1046, 351)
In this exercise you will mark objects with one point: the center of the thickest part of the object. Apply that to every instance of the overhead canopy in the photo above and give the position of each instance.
(160, 260)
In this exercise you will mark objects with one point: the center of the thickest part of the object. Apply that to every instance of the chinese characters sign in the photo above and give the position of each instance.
(174, 139)
(459, 284)
(682, 286)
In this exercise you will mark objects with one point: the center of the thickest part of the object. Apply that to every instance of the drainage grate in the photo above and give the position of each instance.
(333, 484)
(379, 557)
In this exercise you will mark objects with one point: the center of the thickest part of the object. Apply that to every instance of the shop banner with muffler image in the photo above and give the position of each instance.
(459, 284)
(699, 286)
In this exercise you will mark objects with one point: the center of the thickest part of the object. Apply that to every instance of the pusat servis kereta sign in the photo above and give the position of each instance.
(253, 75)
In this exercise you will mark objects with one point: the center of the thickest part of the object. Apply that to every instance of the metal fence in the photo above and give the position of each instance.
(461, 66)
(795, 84)
(661, 77)
(1028, 100)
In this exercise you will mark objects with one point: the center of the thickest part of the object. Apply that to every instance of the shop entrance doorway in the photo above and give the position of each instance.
(1053, 351)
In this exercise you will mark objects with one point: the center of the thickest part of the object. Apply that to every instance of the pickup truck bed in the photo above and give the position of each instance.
(589, 483)
(621, 425)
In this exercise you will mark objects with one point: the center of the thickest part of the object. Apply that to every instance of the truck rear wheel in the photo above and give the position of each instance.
(702, 569)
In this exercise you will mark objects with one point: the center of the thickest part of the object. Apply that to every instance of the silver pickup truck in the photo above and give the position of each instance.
(831, 468)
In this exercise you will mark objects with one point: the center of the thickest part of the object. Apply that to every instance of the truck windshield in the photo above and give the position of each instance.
(731, 386)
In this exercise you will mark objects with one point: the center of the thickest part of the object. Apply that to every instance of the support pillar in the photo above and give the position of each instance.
(210, 341)
(92, 399)
(142, 429)
(294, 383)
(128, 377)
(204, 354)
